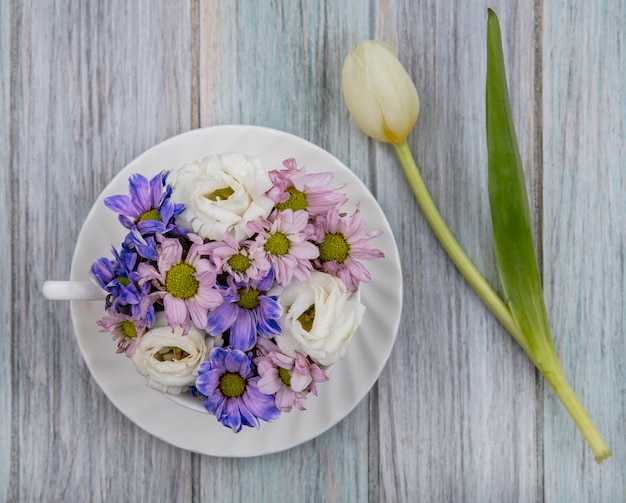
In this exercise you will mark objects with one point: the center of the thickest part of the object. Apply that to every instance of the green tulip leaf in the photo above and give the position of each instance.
(513, 239)
(510, 212)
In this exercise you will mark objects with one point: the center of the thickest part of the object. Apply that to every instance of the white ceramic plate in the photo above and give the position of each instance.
(351, 378)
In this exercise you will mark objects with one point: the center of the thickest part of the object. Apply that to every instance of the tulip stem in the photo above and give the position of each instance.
(452, 247)
(555, 376)
(546, 360)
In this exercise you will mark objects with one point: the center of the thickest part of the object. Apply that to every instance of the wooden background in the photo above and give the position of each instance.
(458, 414)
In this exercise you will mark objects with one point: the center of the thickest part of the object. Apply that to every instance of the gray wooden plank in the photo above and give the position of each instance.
(283, 71)
(95, 85)
(459, 394)
(584, 137)
(6, 276)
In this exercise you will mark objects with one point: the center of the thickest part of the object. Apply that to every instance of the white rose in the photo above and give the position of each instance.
(168, 359)
(319, 318)
(222, 192)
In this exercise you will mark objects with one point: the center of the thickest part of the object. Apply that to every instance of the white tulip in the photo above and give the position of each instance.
(379, 93)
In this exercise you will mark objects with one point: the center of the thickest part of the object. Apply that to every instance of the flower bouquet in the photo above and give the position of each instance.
(234, 283)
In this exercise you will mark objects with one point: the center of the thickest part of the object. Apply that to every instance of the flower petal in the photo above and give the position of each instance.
(266, 282)
(237, 362)
(222, 318)
(270, 308)
(267, 327)
(243, 331)
(285, 399)
(231, 416)
(214, 403)
(197, 312)
(270, 383)
(122, 205)
(140, 192)
(156, 189)
(208, 382)
(247, 417)
(175, 310)
(262, 406)
(299, 382)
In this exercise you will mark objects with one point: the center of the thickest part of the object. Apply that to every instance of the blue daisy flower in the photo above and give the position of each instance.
(120, 278)
(228, 383)
(148, 210)
(247, 311)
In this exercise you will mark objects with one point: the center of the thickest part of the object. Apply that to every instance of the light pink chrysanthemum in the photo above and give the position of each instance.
(295, 189)
(126, 330)
(288, 379)
(185, 283)
(284, 240)
(244, 261)
(342, 244)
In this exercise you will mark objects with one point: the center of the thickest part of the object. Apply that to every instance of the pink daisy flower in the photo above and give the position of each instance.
(284, 240)
(125, 329)
(295, 189)
(185, 283)
(342, 244)
(288, 379)
(244, 261)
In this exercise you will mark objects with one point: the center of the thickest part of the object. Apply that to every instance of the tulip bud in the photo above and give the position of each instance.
(379, 93)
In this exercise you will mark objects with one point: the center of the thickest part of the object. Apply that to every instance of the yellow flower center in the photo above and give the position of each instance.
(129, 330)
(181, 282)
(170, 353)
(334, 247)
(248, 299)
(277, 245)
(239, 262)
(232, 385)
(124, 281)
(307, 317)
(296, 201)
(284, 376)
(220, 194)
(153, 214)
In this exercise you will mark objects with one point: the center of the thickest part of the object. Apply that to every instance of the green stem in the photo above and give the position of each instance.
(550, 367)
(553, 372)
(452, 247)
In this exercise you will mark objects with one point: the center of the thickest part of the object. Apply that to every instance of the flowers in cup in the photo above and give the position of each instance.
(237, 284)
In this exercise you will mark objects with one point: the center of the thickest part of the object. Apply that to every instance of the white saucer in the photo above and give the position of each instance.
(200, 432)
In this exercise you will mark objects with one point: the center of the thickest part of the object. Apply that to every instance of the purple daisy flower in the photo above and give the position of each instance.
(145, 245)
(295, 189)
(186, 285)
(342, 244)
(229, 384)
(126, 330)
(148, 210)
(285, 242)
(120, 278)
(247, 311)
(288, 379)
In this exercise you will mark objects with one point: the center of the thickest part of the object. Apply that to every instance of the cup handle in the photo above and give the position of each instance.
(72, 290)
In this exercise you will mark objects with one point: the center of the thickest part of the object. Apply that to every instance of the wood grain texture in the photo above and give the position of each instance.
(6, 276)
(584, 122)
(458, 413)
(93, 88)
